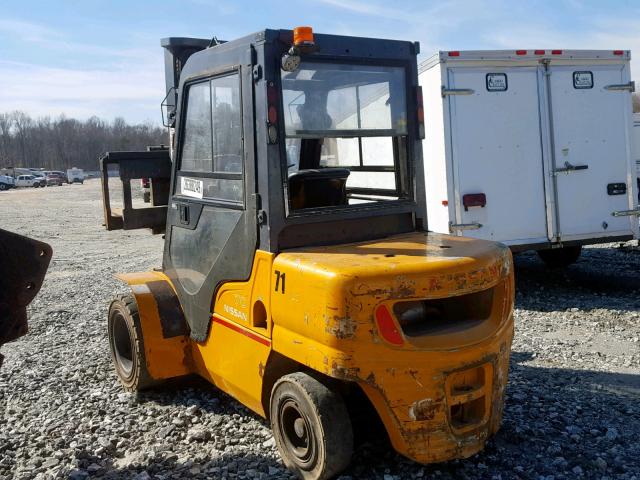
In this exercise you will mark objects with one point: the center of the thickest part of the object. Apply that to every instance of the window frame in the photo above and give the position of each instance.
(409, 138)
(218, 202)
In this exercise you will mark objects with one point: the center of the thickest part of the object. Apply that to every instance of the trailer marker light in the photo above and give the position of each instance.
(454, 53)
(556, 52)
(521, 52)
(387, 326)
(303, 36)
(618, 52)
(539, 52)
(445, 203)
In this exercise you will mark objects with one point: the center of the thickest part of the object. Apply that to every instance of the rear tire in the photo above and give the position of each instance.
(3, 186)
(127, 345)
(560, 257)
(311, 427)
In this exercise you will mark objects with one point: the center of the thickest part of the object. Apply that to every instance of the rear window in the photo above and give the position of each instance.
(346, 134)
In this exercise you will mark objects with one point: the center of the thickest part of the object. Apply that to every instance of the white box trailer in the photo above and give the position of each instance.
(635, 150)
(531, 148)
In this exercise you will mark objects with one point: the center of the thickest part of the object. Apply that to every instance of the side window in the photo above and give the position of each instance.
(196, 147)
(212, 151)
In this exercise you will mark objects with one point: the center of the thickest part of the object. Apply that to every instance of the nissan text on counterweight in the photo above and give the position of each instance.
(298, 274)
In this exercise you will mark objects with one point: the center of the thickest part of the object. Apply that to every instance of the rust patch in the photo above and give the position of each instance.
(341, 327)
(401, 291)
(414, 375)
(424, 409)
(371, 379)
(344, 373)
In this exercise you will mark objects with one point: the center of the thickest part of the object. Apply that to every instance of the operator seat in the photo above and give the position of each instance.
(323, 187)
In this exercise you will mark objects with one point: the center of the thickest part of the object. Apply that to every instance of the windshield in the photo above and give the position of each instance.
(346, 134)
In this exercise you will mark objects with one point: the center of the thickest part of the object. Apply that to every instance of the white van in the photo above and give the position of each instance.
(75, 175)
(531, 148)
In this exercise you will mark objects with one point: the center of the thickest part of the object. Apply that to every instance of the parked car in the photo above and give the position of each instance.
(62, 174)
(146, 189)
(6, 182)
(29, 181)
(54, 178)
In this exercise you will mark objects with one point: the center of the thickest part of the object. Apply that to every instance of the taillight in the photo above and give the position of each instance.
(454, 53)
(145, 183)
(387, 326)
(420, 111)
(556, 52)
(272, 113)
(521, 52)
(474, 200)
(618, 52)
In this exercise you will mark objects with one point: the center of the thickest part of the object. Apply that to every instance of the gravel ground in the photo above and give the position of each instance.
(572, 408)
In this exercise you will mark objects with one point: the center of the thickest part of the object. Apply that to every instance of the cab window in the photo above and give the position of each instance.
(211, 156)
(346, 134)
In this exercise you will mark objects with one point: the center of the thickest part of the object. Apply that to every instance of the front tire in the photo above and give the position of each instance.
(560, 257)
(3, 186)
(311, 427)
(127, 345)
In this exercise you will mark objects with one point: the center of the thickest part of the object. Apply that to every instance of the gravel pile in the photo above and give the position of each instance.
(573, 401)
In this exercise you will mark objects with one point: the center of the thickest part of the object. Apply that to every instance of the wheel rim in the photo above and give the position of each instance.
(122, 345)
(297, 434)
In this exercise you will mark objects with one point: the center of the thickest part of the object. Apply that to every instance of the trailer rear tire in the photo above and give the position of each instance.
(560, 257)
(127, 345)
(311, 427)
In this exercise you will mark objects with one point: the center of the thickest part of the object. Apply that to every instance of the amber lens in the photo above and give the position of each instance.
(302, 35)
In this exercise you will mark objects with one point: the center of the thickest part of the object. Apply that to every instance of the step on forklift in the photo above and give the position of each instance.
(294, 278)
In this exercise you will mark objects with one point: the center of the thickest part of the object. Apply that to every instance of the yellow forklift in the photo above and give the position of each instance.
(298, 273)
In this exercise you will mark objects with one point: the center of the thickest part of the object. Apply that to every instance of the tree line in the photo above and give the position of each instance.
(61, 143)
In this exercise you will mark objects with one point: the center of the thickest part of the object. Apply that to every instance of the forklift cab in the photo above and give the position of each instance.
(269, 159)
(298, 275)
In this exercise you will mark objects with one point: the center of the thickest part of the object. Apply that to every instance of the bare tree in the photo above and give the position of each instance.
(61, 143)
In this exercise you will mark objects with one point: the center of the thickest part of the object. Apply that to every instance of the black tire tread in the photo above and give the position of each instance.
(334, 420)
(141, 380)
(560, 257)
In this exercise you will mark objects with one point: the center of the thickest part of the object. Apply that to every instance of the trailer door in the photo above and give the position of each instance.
(591, 120)
(497, 153)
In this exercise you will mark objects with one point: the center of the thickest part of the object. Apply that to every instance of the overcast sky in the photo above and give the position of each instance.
(98, 57)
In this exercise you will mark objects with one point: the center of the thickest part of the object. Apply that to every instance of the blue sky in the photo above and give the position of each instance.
(98, 57)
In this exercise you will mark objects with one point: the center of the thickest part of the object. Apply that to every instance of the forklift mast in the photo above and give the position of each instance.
(153, 164)
(177, 51)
